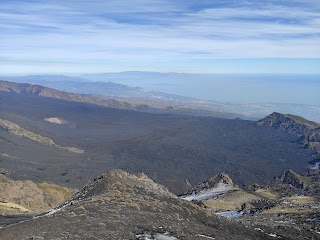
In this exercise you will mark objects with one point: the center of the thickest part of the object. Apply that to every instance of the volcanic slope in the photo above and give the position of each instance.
(169, 148)
(117, 205)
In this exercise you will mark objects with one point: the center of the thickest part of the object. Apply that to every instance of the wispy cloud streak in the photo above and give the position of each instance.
(141, 31)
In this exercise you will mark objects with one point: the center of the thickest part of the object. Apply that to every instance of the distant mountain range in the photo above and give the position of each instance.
(105, 86)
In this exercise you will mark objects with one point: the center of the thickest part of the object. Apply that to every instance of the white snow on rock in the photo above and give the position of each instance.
(205, 236)
(259, 229)
(155, 236)
(230, 214)
(273, 235)
(208, 194)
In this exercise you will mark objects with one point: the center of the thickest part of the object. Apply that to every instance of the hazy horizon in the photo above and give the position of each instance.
(233, 88)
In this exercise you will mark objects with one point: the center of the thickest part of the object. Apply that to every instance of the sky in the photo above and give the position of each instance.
(207, 36)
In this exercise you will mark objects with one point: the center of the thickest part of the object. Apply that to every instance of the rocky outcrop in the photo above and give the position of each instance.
(308, 184)
(312, 140)
(294, 179)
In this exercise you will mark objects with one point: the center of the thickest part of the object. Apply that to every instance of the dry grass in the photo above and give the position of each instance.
(221, 205)
(282, 209)
(54, 194)
(231, 201)
(266, 194)
(300, 200)
(9, 208)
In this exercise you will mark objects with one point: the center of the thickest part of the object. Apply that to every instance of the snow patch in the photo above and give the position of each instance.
(208, 194)
(230, 214)
(54, 210)
(273, 235)
(204, 236)
(155, 236)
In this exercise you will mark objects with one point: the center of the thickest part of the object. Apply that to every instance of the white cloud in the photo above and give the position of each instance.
(154, 31)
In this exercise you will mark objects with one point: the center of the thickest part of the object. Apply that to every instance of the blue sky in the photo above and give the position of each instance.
(216, 36)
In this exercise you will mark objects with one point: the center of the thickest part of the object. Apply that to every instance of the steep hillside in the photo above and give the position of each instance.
(117, 205)
(27, 197)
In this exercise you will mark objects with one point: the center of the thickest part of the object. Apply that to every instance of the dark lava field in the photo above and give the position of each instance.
(168, 148)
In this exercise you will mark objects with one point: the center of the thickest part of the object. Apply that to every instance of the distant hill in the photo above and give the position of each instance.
(290, 123)
(25, 88)
(307, 131)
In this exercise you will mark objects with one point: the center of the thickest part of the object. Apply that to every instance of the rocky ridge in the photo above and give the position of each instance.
(305, 185)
